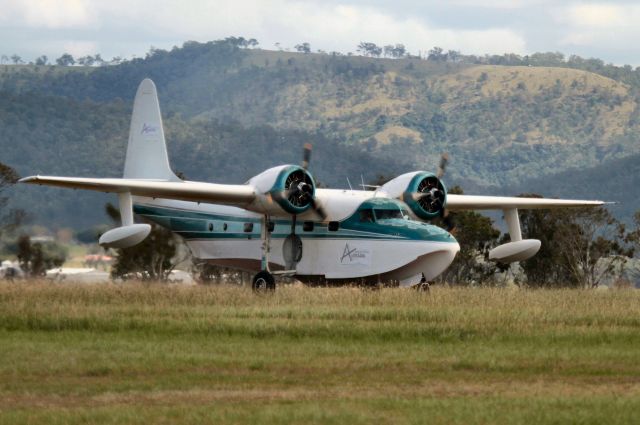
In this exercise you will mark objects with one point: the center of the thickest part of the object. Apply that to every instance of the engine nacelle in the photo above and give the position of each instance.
(423, 192)
(515, 251)
(287, 189)
(125, 236)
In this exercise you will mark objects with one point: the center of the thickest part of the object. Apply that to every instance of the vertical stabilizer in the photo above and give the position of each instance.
(147, 151)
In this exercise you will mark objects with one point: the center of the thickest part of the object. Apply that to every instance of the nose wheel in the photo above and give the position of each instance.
(263, 282)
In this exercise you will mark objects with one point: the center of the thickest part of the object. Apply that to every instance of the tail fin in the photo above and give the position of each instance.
(147, 151)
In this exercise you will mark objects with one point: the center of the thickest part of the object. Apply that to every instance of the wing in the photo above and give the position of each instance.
(228, 194)
(471, 202)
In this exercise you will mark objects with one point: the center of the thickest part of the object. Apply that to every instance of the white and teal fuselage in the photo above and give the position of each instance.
(365, 238)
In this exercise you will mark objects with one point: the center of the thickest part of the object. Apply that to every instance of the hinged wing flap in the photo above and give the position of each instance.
(471, 202)
(229, 194)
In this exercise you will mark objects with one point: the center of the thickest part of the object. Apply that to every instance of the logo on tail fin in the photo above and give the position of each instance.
(148, 129)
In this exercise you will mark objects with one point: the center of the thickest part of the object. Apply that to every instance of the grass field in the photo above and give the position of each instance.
(167, 354)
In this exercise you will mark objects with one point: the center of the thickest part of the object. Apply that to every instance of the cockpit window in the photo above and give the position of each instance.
(366, 216)
(388, 214)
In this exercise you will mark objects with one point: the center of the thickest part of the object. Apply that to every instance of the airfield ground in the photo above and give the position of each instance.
(168, 354)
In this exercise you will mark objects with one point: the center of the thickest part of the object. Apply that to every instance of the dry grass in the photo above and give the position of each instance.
(154, 353)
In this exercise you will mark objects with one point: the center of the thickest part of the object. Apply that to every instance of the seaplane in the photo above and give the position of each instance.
(280, 223)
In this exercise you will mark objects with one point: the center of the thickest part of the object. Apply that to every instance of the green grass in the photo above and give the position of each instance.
(167, 354)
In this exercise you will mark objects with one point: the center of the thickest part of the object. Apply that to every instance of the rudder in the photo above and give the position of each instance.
(147, 150)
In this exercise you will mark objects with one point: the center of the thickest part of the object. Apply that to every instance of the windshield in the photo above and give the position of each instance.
(388, 214)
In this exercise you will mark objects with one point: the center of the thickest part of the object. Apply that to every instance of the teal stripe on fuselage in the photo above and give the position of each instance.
(213, 226)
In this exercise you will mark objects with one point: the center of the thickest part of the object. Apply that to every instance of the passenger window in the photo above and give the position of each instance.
(366, 216)
(248, 227)
(334, 226)
(211, 227)
(270, 226)
(307, 226)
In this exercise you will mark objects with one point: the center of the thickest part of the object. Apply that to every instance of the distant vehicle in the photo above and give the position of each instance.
(11, 270)
(279, 222)
(97, 261)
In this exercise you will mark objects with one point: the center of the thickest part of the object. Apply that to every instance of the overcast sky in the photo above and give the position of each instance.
(608, 30)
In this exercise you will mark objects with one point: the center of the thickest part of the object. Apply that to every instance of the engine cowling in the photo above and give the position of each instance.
(423, 192)
(287, 189)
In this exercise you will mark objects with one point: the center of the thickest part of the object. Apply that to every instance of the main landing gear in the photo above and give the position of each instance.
(264, 280)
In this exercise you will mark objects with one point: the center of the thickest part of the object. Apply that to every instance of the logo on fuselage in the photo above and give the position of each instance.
(355, 255)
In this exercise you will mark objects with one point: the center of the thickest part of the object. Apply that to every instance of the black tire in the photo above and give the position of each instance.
(423, 287)
(263, 282)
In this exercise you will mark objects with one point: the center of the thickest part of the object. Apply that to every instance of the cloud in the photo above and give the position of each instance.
(343, 27)
(47, 13)
(598, 15)
(599, 25)
(499, 4)
(327, 26)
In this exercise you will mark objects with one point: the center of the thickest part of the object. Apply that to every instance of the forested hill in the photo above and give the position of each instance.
(232, 112)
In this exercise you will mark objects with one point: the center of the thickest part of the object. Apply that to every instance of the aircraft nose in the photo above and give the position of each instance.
(439, 260)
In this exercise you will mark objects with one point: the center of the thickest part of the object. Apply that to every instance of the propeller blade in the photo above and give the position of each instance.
(318, 209)
(306, 156)
(444, 160)
(417, 196)
(447, 220)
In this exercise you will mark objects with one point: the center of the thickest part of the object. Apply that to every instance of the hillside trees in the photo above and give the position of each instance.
(9, 218)
(65, 60)
(303, 48)
(397, 51)
(369, 49)
(36, 258)
(580, 247)
(437, 54)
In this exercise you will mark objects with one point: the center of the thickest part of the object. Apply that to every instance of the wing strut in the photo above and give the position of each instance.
(513, 223)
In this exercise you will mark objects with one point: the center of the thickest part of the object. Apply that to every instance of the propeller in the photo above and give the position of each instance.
(306, 159)
(431, 196)
(299, 191)
(447, 220)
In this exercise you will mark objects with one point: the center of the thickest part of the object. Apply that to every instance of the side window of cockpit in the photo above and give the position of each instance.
(334, 226)
(366, 216)
(388, 214)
